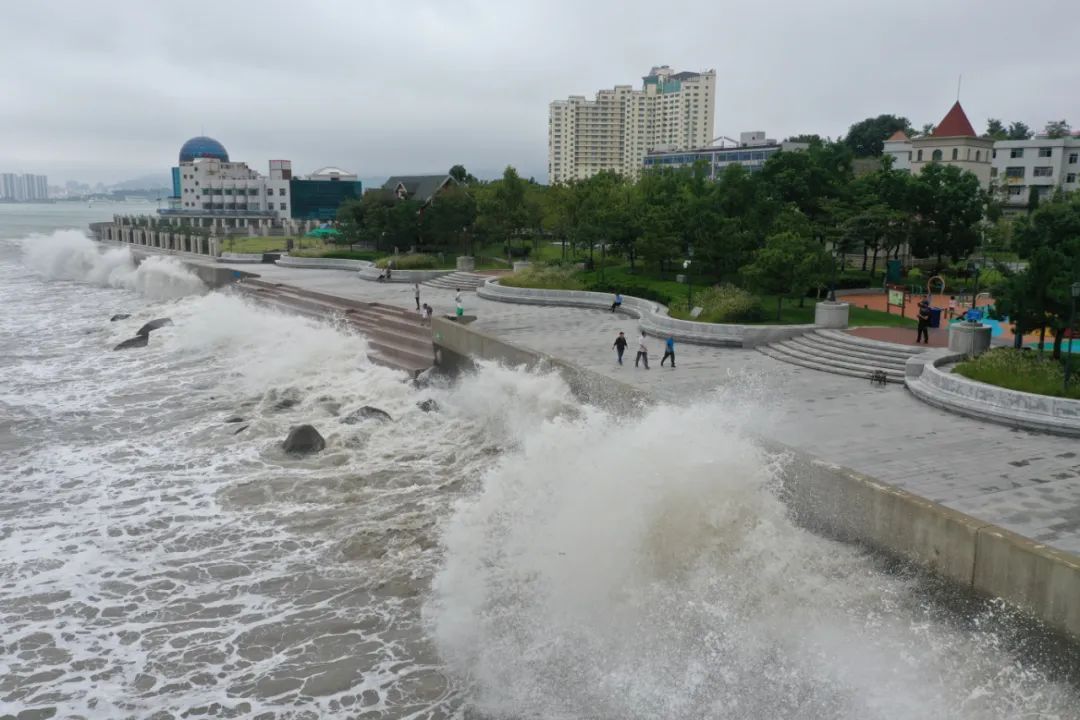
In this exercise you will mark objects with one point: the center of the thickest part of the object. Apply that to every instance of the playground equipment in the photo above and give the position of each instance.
(930, 287)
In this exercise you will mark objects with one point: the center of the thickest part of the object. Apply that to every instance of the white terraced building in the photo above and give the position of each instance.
(1046, 164)
(672, 111)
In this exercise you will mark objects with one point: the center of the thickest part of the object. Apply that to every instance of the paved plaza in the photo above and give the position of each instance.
(1028, 483)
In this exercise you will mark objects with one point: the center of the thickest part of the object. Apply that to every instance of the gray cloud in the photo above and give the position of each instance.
(108, 90)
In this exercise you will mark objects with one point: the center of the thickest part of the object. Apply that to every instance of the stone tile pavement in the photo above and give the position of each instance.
(1028, 483)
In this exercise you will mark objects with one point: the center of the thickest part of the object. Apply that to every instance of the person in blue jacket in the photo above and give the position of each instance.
(669, 351)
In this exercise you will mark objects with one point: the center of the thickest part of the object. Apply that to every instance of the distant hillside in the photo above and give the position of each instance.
(156, 181)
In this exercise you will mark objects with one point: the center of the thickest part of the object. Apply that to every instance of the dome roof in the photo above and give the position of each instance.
(331, 171)
(203, 147)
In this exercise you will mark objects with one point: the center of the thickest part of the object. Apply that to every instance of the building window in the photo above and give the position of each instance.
(978, 156)
(1046, 152)
(281, 206)
(993, 172)
(936, 156)
(1044, 171)
(1016, 153)
(281, 191)
(1014, 172)
(955, 153)
(1073, 158)
(1070, 178)
(269, 191)
(920, 156)
(995, 153)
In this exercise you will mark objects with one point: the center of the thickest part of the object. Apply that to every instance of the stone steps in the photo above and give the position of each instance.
(839, 353)
(457, 281)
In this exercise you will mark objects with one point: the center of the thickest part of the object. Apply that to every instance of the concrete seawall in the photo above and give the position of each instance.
(847, 505)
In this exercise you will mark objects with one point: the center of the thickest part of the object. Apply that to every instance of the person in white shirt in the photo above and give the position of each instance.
(460, 310)
(416, 294)
(642, 352)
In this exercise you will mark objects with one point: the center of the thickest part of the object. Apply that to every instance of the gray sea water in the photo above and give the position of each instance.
(514, 555)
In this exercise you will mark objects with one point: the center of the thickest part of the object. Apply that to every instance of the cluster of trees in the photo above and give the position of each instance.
(1048, 239)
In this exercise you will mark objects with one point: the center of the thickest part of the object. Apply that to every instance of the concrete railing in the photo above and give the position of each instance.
(956, 393)
(240, 257)
(653, 316)
(402, 276)
(323, 263)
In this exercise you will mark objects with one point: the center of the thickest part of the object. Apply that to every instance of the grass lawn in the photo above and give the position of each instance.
(1021, 370)
(255, 244)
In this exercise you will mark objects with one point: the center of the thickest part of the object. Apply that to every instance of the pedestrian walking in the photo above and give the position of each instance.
(952, 306)
(642, 352)
(620, 345)
(460, 304)
(416, 294)
(923, 333)
(669, 351)
(428, 312)
(618, 302)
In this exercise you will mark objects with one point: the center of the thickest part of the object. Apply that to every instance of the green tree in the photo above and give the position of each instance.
(787, 266)
(1020, 131)
(446, 222)
(806, 138)
(1057, 129)
(350, 221)
(463, 176)
(866, 138)
(949, 204)
(995, 129)
(1033, 199)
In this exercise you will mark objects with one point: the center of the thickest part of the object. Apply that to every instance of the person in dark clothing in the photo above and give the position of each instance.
(669, 352)
(923, 333)
(620, 346)
(618, 302)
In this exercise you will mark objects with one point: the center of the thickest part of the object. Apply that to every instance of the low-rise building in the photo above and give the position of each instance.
(1043, 164)
(751, 151)
(898, 146)
(418, 187)
(953, 142)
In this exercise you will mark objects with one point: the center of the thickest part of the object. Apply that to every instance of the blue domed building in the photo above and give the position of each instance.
(203, 147)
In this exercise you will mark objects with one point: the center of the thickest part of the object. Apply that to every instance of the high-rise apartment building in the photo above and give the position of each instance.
(672, 111)
(21, 188)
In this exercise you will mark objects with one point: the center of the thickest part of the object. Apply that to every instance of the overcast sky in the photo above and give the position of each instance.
(110, 90)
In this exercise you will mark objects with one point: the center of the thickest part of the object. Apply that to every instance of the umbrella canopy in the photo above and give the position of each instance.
(324, 232)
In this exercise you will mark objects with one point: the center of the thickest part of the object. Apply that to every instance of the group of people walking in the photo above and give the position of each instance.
(642, 357)
(426, 311)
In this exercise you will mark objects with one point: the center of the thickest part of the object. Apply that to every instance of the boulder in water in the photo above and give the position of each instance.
(303, 439)
(367, 413)
(119, 316)
(428, 405)
(241, 429)
(135, 342)
(234, 419)
(153, 325)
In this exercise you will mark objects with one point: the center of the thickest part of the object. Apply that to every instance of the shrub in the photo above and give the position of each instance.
(915, 275)
(545, 277)
(723, 304)
(410, 262)
(1023, 370)
(342, 254)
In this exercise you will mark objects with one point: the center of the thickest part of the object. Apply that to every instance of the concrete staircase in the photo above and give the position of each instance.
(840, 353)
(457, 281)
(394, 335)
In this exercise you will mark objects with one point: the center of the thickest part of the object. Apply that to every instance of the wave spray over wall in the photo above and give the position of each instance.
(645, 569)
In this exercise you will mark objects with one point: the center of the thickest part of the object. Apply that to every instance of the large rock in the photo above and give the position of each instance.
(119, 316)
(303, 439)
(135, 342)
(154, 325)
(367, 413)
(428, 405)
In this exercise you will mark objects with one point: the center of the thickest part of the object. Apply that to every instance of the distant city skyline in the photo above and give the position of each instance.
(385, 89)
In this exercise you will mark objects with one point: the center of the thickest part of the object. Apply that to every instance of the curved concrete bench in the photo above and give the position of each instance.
(653, 317)
(323, 263)
(401, 276)
(956, 393)
(240, 258)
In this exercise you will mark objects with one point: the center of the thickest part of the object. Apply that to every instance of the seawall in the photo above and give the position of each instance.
(842, 503)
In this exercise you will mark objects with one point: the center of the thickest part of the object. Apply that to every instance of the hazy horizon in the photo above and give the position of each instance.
(108, 92)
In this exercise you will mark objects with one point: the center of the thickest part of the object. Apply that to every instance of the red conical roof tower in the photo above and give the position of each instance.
(954, 124)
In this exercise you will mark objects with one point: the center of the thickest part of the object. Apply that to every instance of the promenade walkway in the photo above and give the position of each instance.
(1025, 482)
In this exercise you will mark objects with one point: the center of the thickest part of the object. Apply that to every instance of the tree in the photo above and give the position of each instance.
(1057, 129)
(787, 266)
(459, 173)
(350, 221)
(446, 221)
(866, 138)
(1019, 131)
(805, 138)
(948, 203)
(927, 129)
(995, 129)
(1033, 199)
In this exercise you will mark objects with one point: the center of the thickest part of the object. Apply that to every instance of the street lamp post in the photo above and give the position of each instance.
(1075, 293)
(689, 290)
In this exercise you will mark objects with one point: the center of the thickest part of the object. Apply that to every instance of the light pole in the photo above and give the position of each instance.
(1075, 293)
(689, 290)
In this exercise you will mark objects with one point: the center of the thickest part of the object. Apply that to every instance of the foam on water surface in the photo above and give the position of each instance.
(514, 554)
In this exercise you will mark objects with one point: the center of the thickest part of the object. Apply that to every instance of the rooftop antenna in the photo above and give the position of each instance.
(959, 79)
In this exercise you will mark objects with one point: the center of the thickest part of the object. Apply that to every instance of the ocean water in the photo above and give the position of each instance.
(513, 555)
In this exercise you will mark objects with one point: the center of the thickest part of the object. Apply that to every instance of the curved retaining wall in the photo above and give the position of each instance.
(653, 317)
(240, 258)
(958, 394)
(323, 263)
(370, 272)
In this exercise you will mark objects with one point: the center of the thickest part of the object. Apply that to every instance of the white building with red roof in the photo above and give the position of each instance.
(899, 147)
(954, 142)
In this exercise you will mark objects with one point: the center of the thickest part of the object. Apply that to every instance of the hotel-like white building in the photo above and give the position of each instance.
(672, 111)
